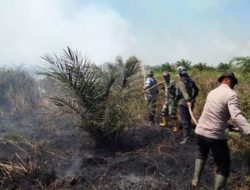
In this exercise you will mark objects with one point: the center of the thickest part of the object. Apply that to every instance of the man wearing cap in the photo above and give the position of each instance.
(221, 104)
(168, 111)
(150, 90)
(187, 91)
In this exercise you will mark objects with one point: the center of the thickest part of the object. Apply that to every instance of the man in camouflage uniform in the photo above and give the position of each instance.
(186, 94)
(150, 90)
(168, 111)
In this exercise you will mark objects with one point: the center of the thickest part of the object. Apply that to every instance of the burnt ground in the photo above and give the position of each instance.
(51, 154)
(145, 157)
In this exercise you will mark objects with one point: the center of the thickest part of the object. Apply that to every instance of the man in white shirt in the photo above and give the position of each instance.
(221, 104)
(150, 90)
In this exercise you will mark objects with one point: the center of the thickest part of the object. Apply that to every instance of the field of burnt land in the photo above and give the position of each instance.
(95, 136)
(62, 157)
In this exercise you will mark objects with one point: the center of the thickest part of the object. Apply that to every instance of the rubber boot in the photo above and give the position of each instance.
(175, 126)
(151, 120)
(199, 164)
(186, 133)
(164, 122)
(220, 182)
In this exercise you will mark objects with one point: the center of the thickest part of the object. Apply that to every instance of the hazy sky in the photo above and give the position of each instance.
(155, 31)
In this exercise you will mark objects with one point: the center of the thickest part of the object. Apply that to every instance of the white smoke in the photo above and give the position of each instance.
(30, 29)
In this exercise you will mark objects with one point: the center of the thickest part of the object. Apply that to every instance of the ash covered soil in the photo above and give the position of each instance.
(145, 157)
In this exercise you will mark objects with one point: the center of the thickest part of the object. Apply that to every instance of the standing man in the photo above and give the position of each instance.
(186, 94)
(221, 104)
(150, 89)
(168, 111)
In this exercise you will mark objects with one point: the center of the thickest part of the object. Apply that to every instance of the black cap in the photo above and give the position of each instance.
(151, 73)
(228, 74)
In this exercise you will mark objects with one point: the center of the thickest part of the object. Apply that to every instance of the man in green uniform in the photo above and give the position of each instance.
(168, 111)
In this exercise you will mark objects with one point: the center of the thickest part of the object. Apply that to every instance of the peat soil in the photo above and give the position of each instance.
(62, 157)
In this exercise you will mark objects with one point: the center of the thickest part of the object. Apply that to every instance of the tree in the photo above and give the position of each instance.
(105, 101)
(185, 63)
(166, 67)
(222, 67)
(243, 63)
(202, 66)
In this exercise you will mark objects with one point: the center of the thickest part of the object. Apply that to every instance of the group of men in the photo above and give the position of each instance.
(181, 94)
(222, 105)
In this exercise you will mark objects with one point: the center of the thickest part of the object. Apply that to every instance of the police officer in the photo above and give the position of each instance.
(221, 104)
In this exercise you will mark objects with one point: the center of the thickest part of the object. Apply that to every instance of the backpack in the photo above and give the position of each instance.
(191, 87)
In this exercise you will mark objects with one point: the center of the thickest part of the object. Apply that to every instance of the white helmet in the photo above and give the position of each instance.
(181, 70)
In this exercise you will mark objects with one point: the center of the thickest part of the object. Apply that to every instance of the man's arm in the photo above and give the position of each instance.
(183, 90)
(237, 118)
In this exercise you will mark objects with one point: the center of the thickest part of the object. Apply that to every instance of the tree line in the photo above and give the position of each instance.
(237, 63)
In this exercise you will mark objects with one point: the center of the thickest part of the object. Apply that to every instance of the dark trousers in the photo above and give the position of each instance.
(185, 120)
(219, 150)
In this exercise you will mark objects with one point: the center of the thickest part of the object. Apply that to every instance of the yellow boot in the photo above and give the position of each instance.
(164, 122)
(175, 126)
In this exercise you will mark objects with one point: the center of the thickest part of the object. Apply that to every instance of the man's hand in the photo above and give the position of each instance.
(189, 103)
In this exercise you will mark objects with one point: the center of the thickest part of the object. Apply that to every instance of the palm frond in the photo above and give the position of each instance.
(132, 67)
(242, 62)
(99, 98)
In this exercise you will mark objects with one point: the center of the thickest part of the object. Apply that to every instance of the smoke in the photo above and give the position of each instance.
(75, 166)
(31, 29)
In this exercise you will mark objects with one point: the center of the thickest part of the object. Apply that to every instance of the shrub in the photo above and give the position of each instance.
(19, 91)
(105, 101)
